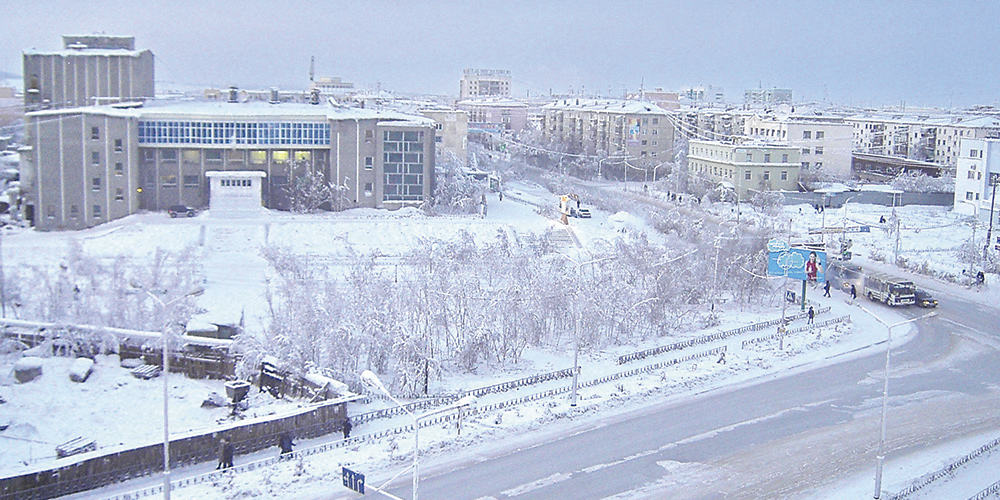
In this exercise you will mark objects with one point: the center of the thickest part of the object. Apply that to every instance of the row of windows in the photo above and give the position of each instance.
(186, 132)
(257, 156)
(403, 168)
(728, 172)
(74, 211)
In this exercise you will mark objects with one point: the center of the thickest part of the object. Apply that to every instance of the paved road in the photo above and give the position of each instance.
(774, 438)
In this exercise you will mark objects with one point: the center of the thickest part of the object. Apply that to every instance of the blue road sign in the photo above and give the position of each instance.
(353, 480)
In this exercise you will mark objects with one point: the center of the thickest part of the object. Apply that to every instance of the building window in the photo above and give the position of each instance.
(805, 164)
(368, 189)
(644, 142)
(819, 164)
(118, 146)
(746, 174)
(119, 194)
(95, 184)
(784, 158)
(807, 134)
(656, 121)
(95, 158)
(972, 175)
(369, 162)
(767, 175)
(168, 154)
(303, 156)
(213, 155)
(74, 212)
(369, 135)
(820, 134)
(767, 157)
(50, 211)
(168, 180)
(97, 211)
(819, 150)
(191, 181)
(191, 156)
(805, 151)
(258, 157)
(968, 195)
(148, 155)
(95, 133)
(119, 168)
(280, 157)
(973, 153)
(784, 175)
(749, 156)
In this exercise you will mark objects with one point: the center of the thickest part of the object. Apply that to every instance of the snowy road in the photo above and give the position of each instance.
(793, 434)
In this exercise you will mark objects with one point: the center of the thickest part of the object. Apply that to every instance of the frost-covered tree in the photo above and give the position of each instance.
(309, 190)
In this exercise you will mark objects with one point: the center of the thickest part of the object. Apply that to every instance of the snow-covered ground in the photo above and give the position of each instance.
(234, 278)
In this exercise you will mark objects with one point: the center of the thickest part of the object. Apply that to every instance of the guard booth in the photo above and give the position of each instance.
(235, 193)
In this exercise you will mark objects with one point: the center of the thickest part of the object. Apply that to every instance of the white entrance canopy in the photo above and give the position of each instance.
(235, 193)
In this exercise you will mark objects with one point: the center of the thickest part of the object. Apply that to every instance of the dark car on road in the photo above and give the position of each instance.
(925, 299)
(179, 210)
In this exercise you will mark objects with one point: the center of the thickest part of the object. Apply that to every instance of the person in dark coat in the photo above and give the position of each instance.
(347, 428)
(854, 292)
(225, 454)
(826, 288)
(812, 314)
(285, 442)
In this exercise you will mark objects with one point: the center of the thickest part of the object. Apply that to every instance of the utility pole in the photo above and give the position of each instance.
(896, 251)
(989, 229)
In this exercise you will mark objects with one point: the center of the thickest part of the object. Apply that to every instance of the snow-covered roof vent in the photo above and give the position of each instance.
(275, 99)
(314, 97)
(233, 94)
(77, 46)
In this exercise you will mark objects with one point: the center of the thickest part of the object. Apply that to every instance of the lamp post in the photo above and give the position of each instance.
(372, 381)
(880, 456)
(994, 180)
(656, 167)
(164, 334)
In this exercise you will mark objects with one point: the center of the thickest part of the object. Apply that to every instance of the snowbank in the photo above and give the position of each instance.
(81, 369)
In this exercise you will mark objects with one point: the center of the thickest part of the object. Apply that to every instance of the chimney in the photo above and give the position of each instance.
(234, 94)
(314, 96)
(275, 99)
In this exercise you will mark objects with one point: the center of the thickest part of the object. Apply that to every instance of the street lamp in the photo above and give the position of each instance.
(880, 456)
(372, 382)
(164, 334)
(656, 167)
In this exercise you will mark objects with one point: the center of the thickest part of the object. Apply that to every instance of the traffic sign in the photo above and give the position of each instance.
(790, 296)
(353, 480)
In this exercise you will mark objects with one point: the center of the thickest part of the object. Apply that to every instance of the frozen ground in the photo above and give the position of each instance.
(234, 280)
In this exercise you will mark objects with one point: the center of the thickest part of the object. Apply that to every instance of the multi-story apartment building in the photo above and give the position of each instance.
(977, 170)
(747, 167)
(91, 69)
(452, 126)
(823, 142)
(637, 129)
(93, 164)
(484, 83)
(932, 138)
(766, 98)
(495, 114)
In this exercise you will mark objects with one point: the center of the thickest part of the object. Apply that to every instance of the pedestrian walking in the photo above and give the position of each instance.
(501, 195)
(854, 292)
(826, 288)
(812, 314)
(347, 427)
(285, 442)
(225, 454)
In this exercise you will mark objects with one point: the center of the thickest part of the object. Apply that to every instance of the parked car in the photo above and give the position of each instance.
(925, 299)
(179, 210)
(582, 213)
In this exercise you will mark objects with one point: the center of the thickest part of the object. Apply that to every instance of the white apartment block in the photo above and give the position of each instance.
(637, 129)
(484, 83)
(823, 142)
(978, 161)
(746, 167)
(920, 137)
(766, 98)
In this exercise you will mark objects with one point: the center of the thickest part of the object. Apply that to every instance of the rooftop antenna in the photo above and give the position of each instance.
(312, 68)
(642, 88)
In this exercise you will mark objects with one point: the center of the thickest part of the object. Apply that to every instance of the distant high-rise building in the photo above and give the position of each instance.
(766, 98)
(484, 83)
(90, 69)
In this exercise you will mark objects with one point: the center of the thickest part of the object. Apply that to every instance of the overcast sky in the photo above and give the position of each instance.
(860, 53)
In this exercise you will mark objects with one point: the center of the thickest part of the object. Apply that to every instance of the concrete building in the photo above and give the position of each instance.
(484, 83)
(638, 129)
(91, 69)
(927, 137)
(93, 164)
(452, 131)
(883, 168)
(331, 85)
(746, 167)
(766, 98)
(707, 95)
(669, 101)
(823, 142)
(495, 114)
(978, 168)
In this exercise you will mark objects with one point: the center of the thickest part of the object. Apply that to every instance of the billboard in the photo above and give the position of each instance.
(796, 263)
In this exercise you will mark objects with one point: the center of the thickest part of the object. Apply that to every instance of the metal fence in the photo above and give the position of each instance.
(635, 356)
(778, 335)
(950, 469)
(990, 491)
